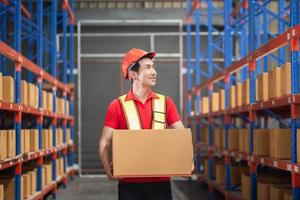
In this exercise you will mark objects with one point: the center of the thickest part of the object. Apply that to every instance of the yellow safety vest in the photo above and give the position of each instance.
(133, 118)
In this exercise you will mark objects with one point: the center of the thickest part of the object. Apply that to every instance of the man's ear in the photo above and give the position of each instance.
(132, 75)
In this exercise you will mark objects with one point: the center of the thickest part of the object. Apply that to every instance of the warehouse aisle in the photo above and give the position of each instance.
(101, 188)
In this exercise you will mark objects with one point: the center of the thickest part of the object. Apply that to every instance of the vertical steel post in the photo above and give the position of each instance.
(252, 68)
(17, 76)
(294, 17)
(281, 29)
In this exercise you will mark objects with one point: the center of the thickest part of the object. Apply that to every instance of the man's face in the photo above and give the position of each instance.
(147, 73)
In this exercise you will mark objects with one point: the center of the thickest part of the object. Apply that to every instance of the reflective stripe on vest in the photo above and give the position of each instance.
(132, 116)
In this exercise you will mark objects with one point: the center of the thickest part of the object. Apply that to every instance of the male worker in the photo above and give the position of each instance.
(140, 108)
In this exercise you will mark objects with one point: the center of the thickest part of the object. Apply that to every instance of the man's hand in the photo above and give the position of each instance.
(109, 171)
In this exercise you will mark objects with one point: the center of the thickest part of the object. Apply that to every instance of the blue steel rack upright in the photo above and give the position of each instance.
(257, 44)
(25, 28)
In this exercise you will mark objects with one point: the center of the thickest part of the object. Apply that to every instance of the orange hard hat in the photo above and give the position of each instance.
(132, 56)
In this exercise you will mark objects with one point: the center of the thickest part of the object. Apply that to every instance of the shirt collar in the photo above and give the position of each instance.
(130, 96)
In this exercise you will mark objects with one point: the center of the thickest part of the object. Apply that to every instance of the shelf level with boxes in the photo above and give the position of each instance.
(37, 120)
(247, 95)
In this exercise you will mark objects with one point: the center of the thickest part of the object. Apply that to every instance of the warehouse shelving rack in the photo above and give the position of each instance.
(30, 26)
(257, 16)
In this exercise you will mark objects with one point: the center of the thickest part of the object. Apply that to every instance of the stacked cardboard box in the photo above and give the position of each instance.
(60, 167)
(36, 97)
(32, 181)
(286, 79)
(277, 191)
(34, 140)
(1, 192)
(1, 87)
(275, 82)
(263, 87)
(242, 140)
(222, 99)
(50, 101)
(215, 101)
(69, 140)
(67, 107)
(280, 143)
(236, 173)
(232, 95)
(25, 138)
(11, 143)
(218, 139)
(47, 174)
(233, 139)
(24, 94)
(9, 185)
(30, 94)
(26, 184)
(204, 105)
(246, 186)
(45, 105)
(261, 141)
(246, 92)
(8, 89)
(3, 145)
(288, 195)
(239, 94)
(59, 136)
(47, 138)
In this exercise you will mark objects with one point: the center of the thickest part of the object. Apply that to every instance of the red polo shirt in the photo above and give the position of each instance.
(115, 119)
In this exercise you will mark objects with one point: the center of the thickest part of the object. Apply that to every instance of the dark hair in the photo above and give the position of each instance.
(136, 66)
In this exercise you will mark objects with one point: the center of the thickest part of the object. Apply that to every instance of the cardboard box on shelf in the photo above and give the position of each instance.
(288, 195)
(1, 192)
(261, 138)
(45, 139)
(9, 185)
(36, 97)
(263, 191)
(24, 97)
(275, 82)
(68, 107)
(50, 138)
(222, 99)
(263, 87)
(26, 185)
(30, 94)
(286, 79)
(242, 139)
(3, 145)
(8, 89)
(218, 139)
(246, 95)
(236, 173)
(277, 192)
(220, 174)
(246, 186)
(215, 101)
(204, 105)
(168, 152)
(239, 94)
(298, 145)
(33, 182)
(45, 105)
(25, 138)
(50, 101)
(34, 140)
(233, 139)
(232, 96)
(280, 143)
(11, 143)
(246, 140)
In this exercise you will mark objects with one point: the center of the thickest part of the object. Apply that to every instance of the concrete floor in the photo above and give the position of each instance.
(102, 189)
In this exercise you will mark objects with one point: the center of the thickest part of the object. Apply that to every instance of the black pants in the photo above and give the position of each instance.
(145, 191)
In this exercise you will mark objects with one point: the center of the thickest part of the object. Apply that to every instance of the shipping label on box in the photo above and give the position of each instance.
(152, 153)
